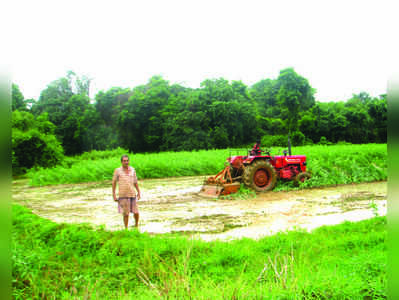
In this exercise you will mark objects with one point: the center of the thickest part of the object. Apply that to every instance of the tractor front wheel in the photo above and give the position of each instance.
(260, 176)
(301, 177)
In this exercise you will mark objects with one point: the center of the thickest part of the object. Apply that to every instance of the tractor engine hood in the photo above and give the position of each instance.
(292, 158)
(236, 161)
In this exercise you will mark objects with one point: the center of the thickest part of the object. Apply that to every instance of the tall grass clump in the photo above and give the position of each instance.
(95, 155)
(154, 165)
(329, 165)
(343, 164)
(61, 261)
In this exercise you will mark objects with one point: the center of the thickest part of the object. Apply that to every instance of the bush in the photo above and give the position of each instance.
(343, 143)
(274, 140)
(308, 142)
(324, 141)
(298, 138)
(219, 137)
(34, 149)
(33, 143)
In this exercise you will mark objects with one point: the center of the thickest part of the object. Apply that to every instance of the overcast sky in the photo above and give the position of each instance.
(341, 47)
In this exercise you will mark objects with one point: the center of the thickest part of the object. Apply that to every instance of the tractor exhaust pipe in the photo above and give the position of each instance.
(289, 145)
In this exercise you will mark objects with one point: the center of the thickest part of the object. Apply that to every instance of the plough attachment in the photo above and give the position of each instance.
(220, 184)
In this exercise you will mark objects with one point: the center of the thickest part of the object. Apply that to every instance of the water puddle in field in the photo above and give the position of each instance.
(172, 205)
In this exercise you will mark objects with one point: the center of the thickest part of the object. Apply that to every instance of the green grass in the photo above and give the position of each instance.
(60, 261)
(155, 165)
(329, 165)
(343, 164)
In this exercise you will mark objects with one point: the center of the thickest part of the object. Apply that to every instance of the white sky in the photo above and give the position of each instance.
(341, 47)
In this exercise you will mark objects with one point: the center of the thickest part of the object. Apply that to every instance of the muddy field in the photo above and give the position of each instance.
(173, 205)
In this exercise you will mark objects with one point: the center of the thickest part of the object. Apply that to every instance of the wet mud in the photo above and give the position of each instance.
(173, 205)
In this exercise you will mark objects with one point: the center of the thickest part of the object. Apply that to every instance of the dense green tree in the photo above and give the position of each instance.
(378, 112)
(140, 124)
(52, 100)
(33, 142)
(110, 103)
(216, 90)
(186, 125)
(294, 94)
(17, 99)
(219, 137)
(357, 100)
(307, 125)
(66, 110)
(263, 125)
(162, 116)
(359, 120)
(230, 106)
(328, 119)
(103, 132)
(186, 131)
(338, 121)
(297, 138)
(22, 121)
(55, 97)
(264, 94)
(82, 84)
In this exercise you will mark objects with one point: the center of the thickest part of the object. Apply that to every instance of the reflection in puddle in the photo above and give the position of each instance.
(173, 206)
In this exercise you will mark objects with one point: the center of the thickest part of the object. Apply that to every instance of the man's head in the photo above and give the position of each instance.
(125, 160)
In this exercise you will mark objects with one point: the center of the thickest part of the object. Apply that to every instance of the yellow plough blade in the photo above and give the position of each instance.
(215, 190)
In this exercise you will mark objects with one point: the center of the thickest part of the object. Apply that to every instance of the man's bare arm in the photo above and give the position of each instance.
(114, 189)
(138, 191)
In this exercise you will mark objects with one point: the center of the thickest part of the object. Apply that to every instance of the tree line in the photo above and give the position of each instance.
(160, 116)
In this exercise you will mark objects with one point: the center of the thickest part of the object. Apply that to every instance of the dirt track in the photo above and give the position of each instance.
(172, 205)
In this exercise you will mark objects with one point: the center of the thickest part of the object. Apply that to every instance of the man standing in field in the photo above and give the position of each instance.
(126, 178)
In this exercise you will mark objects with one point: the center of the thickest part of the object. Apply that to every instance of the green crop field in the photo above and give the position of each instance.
(61, 261)
(329, 165)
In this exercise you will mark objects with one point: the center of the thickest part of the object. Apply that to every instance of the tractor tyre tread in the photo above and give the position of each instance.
(298, 177)
(249, 173)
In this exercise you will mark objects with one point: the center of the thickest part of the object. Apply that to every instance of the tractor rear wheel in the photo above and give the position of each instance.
(301, 177)
(260, 176)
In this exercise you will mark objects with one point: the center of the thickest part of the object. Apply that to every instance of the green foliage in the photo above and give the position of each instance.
(109, 103)
(323, 141)
(17, 99)
(377, 109)
(68, 105)
(264, 94)
(298, 138)
(343, 143)
(103, 130)
(160, 116)
(155, 165)
(219, 138)
(22, 120)
(342, 164)
(294, 94)
(243, 193)
(274, 140)
(140, 122)
(218, 115)
(33, 143)
(329, 165)
(60, 261)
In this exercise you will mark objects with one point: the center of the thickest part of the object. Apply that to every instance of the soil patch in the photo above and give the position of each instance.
(172, 205)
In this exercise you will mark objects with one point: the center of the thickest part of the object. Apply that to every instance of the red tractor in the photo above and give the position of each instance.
(257, 171)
